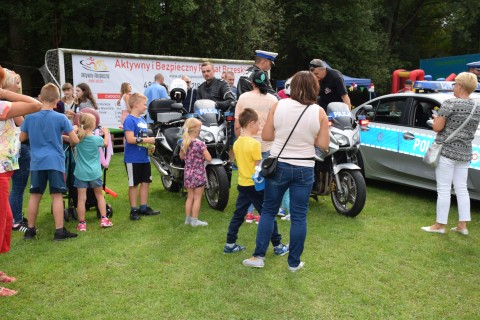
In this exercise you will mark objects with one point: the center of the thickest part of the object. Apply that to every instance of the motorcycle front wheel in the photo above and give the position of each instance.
(349, 197)
(218, 187)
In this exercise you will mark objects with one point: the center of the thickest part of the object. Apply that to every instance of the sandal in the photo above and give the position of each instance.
(6, 279)
(5, 292)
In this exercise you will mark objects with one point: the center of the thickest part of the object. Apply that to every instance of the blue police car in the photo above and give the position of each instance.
(393, 148)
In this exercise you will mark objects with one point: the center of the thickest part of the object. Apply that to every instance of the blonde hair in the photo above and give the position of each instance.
(50, 93)
(86, 121)
(468, 81)
(134, 98)
(10, 79)
(188, 126)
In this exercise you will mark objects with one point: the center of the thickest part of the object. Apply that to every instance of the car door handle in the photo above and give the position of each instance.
(408, 136)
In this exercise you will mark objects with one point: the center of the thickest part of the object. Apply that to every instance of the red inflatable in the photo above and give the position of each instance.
(400, 75)
(451, 77)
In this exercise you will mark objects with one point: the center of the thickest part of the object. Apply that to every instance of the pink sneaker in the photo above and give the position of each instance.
(250, 217)
(105, 223)
(82, 227)
(257, 218)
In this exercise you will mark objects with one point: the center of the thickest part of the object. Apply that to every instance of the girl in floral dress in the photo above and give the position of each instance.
(194, 152)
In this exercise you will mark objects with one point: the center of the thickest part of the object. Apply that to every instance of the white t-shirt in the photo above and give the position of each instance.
(301, 143)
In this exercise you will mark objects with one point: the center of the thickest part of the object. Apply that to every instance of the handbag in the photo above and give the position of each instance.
(269, 165)
(433, 153)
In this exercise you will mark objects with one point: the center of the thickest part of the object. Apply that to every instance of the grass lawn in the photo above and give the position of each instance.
(379, 265)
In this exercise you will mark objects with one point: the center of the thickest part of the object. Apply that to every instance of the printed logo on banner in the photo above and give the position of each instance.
(91, 64)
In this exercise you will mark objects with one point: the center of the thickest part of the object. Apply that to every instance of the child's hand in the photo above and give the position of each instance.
(105, 131)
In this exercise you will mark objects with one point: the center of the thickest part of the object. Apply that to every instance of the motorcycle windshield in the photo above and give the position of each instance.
(207, 112)
(340, 116)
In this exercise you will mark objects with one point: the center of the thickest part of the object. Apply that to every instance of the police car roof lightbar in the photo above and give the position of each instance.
(435, 86)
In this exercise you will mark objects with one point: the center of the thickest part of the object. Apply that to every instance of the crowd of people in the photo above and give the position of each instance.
(265, 126)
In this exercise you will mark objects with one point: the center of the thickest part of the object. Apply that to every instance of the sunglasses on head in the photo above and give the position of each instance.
(312, 65)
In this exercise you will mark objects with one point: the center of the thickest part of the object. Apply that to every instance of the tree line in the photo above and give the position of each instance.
(361, 38)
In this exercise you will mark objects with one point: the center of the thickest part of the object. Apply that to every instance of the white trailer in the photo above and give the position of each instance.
(104, 72)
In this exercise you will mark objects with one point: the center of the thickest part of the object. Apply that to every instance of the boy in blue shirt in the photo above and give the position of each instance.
(137, 161)
(44, 130)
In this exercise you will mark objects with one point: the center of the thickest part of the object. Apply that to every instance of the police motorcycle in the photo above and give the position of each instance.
(169, 117)
(338, 172)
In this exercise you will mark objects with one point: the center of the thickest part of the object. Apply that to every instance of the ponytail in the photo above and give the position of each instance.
(81, 133)
(86, 121)
(187, 127)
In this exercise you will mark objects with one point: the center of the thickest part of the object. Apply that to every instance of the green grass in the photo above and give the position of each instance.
(378, 265)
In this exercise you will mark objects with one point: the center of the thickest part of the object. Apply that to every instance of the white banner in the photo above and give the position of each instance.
(105, 75)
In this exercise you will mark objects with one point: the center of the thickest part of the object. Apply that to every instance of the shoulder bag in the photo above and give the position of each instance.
(269, 165)
(433, 153)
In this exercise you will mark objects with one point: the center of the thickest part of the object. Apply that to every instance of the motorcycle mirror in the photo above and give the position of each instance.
(367, 107)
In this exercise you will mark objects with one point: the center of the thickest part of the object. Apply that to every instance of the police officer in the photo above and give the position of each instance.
(263, 61)
(332, 85)
(474, 67)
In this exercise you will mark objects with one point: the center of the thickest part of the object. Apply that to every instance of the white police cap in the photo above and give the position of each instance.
(475, 65)
(267, 55)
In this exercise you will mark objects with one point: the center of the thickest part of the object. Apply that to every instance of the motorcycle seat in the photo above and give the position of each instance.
(172, 135)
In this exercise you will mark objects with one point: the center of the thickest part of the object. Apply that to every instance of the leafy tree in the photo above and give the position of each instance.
(346, 34)
(360, 38)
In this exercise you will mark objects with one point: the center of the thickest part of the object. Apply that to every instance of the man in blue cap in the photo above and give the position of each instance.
(263, 61)
(474, 67)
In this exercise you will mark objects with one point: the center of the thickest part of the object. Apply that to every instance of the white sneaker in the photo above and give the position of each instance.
(199, 223)
(295, 269)
(286, 218)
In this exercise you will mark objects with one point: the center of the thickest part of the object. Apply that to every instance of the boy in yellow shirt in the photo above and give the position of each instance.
(248, 155)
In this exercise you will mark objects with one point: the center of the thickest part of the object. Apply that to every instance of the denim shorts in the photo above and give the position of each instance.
(88, 184)
(39, 178)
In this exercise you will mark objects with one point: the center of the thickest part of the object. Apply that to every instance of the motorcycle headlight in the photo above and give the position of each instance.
(342, 140)
(206, 136)
(221, 136)
(356, 138)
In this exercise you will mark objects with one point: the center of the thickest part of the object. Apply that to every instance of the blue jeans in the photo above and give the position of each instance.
(246, 196)
(300, 181)
(19, 182)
